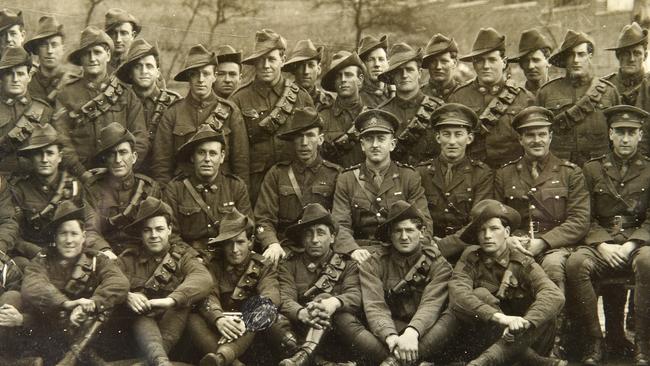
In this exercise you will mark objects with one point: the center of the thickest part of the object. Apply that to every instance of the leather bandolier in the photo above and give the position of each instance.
(164, 101)
(100, 104)
(328, 278)
(282, 110)
(587, 104)
(417, 127)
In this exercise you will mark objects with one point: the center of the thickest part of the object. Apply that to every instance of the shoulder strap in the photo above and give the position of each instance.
(583, 106)
(165, 99)
(420, 122)
(282, 110)
(329, 276)
(219, 116)
(197, 198)
(59, 195)
(296, 187)
(362, 184)
(415, 277)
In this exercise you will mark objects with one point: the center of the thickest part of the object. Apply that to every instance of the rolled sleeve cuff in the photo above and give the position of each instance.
(386, 330)
(180, 299)
(267, 237)
(486, 312)
(554, 239)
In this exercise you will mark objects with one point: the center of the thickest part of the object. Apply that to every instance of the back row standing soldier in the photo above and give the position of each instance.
(19, 112)
(631, 53)
(201, 107)
(141, 70)
(374, 54)
(413, 109)
(228, 76)
(345, 78)
(92, 102)
(305, 64)
(48, 44)
(534, 51)
(12, 29)
(441, 60)
(494, 98)
(266, 104)
(122, 27)
(577, 100)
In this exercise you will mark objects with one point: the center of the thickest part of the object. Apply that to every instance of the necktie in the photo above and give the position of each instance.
(534, 172)
(378, 179)
(449, 174)
(623, 169)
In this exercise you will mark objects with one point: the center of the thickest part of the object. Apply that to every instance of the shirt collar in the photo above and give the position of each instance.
(541, 163)
(372, 88)
(201, 104)
(502, 260)
(445, 88)
(410, 103)
(300, 167)
(492, 90)
(123, 184)
(317, 266)
(213, 186)
(264, 88)
(406, 260)
(20, 100)
(353, 106)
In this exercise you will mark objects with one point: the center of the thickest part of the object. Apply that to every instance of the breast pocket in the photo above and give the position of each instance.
(323, 194)
(289, 205)
(555, 200)
(361, 207)
(181, 134)
(558, 105)
(192, 221)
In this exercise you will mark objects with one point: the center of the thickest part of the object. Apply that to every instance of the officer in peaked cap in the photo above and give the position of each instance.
(453, 183)
(381, 182)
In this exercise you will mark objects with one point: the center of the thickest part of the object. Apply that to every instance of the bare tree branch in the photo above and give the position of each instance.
(92, 5)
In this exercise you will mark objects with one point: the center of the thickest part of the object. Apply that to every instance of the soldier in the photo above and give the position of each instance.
(494, 98)
(620, 228)
(441, 59)
(165, 280)
(12, 319)
(266, 103)
(547, 192)
(71, 289)
(38, 194)
(289, 186)
(317, 285)
(505, 298)
(200, 199)
(374, 54)
(577, 100)
(228, 75)
(8, 224)
(631, 52)
(122, 27)
(201, 106)
(116, 194)
(415, 139)
(404, 289)
(19, 111)
(365, 192)
(48, 44)
(345, 78)
(534, 51)
(304, 63)
(93, 101)
(12, 29)
(239, 274)
(141, 69)
(453, 183)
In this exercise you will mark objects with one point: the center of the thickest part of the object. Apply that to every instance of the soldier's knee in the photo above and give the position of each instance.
(486, 296)
(11, 298)
(642, 266)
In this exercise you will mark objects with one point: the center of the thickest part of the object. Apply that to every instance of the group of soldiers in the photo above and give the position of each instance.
(315, 217)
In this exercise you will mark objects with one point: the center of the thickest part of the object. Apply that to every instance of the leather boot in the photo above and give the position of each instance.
(532, 358)
(213, 359)
(390, 361)
(558, 350)
(300, 358)
(641, 353)
(593, 352)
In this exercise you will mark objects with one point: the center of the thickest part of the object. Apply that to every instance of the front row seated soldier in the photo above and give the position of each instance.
(365, 192)
(290, 185)
(12, 320)
(453, 182)
(92, 102)
(71, 290)
(116, 193)
(37, 195)
(19, 111)
(415, 138)
(502, 299)
(616, 244)
(404, 292)
(201, 106)
(142, 71)
(165, 277)
(202, 198)
(317, 285)
(344, 77)
(239, 275)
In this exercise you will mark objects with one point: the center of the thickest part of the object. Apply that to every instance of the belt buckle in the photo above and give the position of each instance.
(617, 223)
